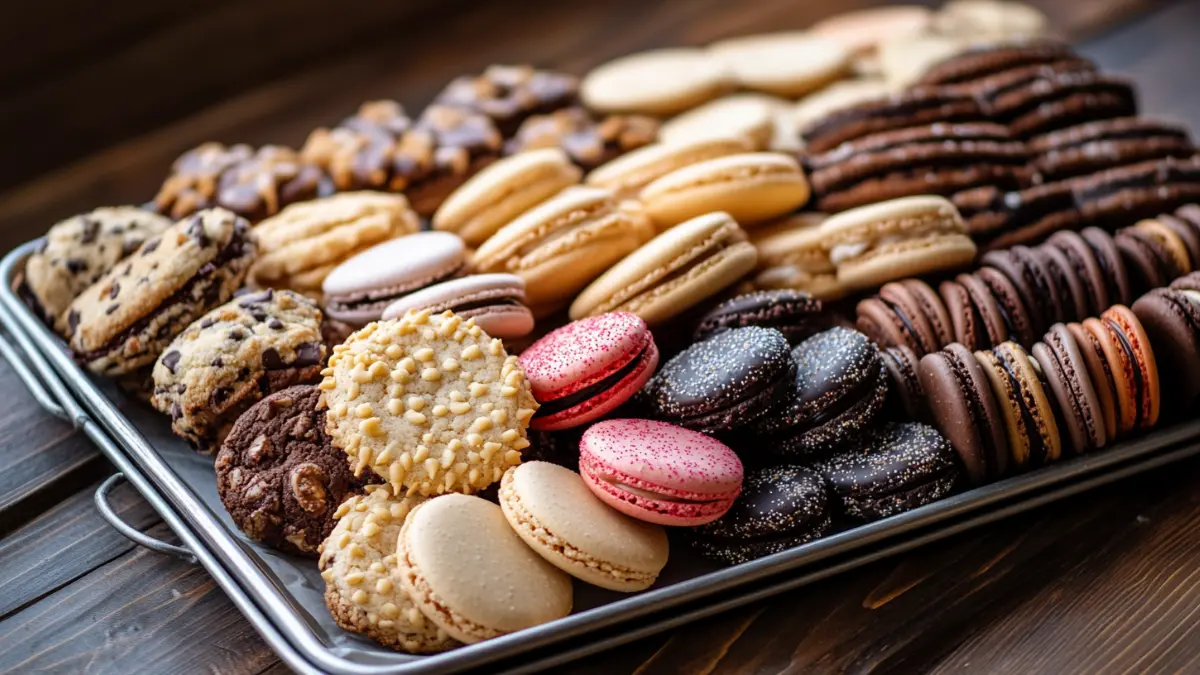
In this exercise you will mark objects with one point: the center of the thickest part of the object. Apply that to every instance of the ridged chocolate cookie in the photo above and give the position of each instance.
(1094, 146)
(913, 107)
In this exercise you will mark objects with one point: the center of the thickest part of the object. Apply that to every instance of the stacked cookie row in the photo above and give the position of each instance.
(1019, 293)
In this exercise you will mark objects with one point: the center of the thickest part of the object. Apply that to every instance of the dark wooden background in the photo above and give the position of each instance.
(96, 99)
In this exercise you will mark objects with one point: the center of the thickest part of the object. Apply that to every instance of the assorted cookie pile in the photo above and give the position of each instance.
(464, 358)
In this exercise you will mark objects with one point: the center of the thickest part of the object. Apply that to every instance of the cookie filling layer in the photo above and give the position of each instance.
(907, 324)
(186, 293)
(381, 298)
(1037, 444)
(558, 405)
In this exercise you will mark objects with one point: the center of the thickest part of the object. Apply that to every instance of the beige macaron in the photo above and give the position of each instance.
(750, 116)
(470, 574)
(628, 174)
(788, 64)
(562, 244)
(552, 509)
(861, 30)
(792, 255)
(906, 237)
(657, 82)
(503, 191)
(673, 272)
(752, 187)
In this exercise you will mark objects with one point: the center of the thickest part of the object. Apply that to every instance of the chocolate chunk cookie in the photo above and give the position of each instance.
(587, 141)
(280, 477)
(81, 249)
(236, 354)
(511, 94)
(251, 183)
(124, 320)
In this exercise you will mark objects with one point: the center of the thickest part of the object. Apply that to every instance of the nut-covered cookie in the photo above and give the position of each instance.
(279, 475)
(589, 142)
(79, 250)
(430, 403)
(125, 320)
(251, 183)
(511, 94)
(362, 583)
(301, 245)
(253, 345)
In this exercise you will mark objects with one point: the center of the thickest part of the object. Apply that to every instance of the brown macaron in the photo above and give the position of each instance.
(965, 411)
(905, 396)
(964, 317)
(896, 317)
(1112, 265)
(996, 328)
(1062, 365)
(1100, 374)
(1012, 305)
(1171, 319)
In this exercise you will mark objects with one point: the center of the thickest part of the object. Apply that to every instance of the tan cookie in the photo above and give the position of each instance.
(788, 64)
(656, 82)
(124, 321)
(430, 403)
(81, 249)
(309, 236)
(362, 584)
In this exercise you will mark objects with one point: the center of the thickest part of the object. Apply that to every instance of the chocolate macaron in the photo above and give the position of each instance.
(796, 314)
(907, 313)
(1060, 362)
(905, 397)
(965, 411)
(1171, 319)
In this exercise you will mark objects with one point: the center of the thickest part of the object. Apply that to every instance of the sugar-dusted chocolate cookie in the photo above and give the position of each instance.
(509, 95)
(279, 475)
(362, 581)
(588, 141)
(124, 320)
(241, 351)
(81, 249)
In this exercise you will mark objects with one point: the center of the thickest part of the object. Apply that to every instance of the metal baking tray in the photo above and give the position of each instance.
(282, 595)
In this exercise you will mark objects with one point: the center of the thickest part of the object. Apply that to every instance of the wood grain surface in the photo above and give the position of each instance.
(1103, 582)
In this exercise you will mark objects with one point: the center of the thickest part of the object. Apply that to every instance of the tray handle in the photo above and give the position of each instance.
(130, 533)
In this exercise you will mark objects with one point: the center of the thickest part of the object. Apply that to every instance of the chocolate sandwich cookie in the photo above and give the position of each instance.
(780, 507)
(1028, 412)
(78, 251)
(1014, 312)
(222, 364)
(124, 320)
(588, 141)
(725, 382)
(1132, 372)
(965, 411)
(796, 314)
(1171, 319)
(1060, 363)
(837, 394)
(1116, 197)
(509, 95)
(1000, 219)
(252, 183)
(1036, 99)
(933, 159)
(1094, 146)
(907, 313)
(913, 107)
(981, 62)
(898, 468)
(279, 475)
(906, 397)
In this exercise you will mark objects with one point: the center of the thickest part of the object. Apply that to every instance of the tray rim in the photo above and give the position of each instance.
(269, 610)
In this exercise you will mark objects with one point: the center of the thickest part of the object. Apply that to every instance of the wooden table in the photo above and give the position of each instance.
(1104, 582)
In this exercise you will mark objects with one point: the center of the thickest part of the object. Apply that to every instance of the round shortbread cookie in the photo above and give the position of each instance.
(362, 584)
(430, 403)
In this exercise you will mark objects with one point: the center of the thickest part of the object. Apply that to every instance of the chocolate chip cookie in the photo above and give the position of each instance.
(236, 354)
(81, 249)
(124, 321)
(509, 95)
(588, 141)
(279, 476)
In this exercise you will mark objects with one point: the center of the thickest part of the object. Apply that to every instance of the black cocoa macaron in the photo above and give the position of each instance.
(1029, 273)
(1171, 319)
(837, 394)
(780, 507)
(725, 382)
(905, 397)
(965, 411)
(898, 468)
(796, 314)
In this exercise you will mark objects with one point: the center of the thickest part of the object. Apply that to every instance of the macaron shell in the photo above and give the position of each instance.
(903, 300)
(1066, 373)
(472, 575)
(884, 326)
(555, 512)
(934, 310)
(751, 187)
(1123, 319)
(628, 174)
(1008, 299)
(748, 116)
(1008, 399)
(1112, 265)
(861, 30)
(1086, 269)
(968, 328)
(404, 260)
(995, 331)
(907, 258)
(1098, 372)
(1106, 346)
(787, 64)
(657, 82)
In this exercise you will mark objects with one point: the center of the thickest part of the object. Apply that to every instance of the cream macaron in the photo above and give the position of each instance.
(562, 244)
(673, 272)
(656, 82)
(752, 187)
(503, 191)
(748, 115)
(628, 174)
(471, 575)
(553, 511)
(788, 64)
(906, 237)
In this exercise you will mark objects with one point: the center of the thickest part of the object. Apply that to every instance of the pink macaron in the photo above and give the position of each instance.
(358, 290)
(659, 472)
(587, 368)
(495, 301)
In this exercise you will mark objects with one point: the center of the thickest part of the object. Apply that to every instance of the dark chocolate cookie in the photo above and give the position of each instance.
(913, 107)
(1104, 144)
(981, 62)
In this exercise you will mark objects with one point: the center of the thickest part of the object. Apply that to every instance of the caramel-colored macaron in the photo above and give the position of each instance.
(1098, 372)
(1033, 437)
(628, 174)
(503, 191)
(561, 245)
(673, 272)
(787, 64)
(1134, 369)
(656, 82)
(752, 187)
(792, 254)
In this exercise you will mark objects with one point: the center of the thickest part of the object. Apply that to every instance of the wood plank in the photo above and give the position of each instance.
(74, 536)
(141, 613)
